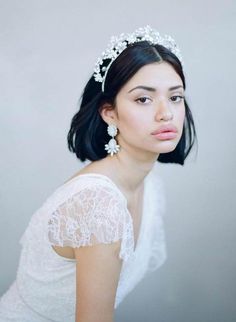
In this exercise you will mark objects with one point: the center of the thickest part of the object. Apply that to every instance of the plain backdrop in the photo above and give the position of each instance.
(47, 53)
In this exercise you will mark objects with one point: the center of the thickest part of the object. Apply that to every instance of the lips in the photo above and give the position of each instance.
(165, 128)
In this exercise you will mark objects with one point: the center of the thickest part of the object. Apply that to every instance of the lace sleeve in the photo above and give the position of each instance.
(94, 215)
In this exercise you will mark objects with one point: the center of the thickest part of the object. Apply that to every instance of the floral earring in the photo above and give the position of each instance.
(112, 146)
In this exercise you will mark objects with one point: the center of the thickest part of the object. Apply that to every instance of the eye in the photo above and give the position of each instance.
(142, 99)
(177, 98)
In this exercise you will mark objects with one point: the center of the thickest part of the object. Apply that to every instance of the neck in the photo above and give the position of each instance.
(129, 170)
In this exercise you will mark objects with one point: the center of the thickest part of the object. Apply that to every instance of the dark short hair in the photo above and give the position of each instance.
(88, 131)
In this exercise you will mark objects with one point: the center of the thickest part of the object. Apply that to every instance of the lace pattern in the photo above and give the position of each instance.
(85, 211)
(96, 214)
(151, 253)
(157, 206)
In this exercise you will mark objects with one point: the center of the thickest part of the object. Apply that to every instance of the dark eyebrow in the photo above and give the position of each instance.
(152, 89)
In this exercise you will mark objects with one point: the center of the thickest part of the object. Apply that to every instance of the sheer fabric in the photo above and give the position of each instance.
(87, 210)
(96, 214)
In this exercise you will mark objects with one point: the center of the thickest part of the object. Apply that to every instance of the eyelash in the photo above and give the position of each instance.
(143, 103)
(181, 98)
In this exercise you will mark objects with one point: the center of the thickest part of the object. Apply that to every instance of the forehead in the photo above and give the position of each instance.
(158, 75)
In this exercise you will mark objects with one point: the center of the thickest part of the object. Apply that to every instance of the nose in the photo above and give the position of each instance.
(163, 112)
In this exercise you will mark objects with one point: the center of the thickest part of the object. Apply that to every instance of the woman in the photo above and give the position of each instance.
(100, 232)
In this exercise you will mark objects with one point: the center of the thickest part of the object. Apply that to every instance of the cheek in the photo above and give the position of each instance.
(131, 121)
(181, 115)
(180, 120)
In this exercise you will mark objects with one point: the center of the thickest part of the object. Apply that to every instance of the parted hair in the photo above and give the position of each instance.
(88, 131)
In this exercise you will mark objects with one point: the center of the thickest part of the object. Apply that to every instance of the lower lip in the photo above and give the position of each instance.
(165, 135)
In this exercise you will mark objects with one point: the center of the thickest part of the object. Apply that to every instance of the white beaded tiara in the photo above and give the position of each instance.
(118, 44)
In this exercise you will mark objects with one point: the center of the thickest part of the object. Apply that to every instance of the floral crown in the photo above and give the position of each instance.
(118, 44)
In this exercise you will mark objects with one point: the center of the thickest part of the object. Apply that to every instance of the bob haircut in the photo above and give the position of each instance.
(88, 132)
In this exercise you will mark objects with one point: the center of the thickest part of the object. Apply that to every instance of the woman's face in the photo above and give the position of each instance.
(149, 101)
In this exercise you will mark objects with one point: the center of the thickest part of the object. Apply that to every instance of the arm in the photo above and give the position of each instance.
(94, 223)
(97, 275)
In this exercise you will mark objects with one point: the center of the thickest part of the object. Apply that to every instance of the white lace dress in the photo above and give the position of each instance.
(88, 209)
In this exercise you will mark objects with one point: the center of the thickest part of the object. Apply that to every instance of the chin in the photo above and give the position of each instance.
(167, 147)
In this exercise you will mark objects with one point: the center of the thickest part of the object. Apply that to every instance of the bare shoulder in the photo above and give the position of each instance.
(99, 167)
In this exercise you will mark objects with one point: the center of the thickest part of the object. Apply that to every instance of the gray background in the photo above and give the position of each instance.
(48, 50)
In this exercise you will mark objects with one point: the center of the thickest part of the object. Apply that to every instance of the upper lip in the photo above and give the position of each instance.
(165, 128)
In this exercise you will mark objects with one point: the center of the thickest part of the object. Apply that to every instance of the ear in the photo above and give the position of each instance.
(108, 113)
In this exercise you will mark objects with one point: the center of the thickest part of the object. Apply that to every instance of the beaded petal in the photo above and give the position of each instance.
(119, 43)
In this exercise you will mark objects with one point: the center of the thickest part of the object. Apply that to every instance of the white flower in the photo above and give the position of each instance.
(112, 147)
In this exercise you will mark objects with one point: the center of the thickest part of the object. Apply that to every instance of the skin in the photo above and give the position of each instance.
(137, 113)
